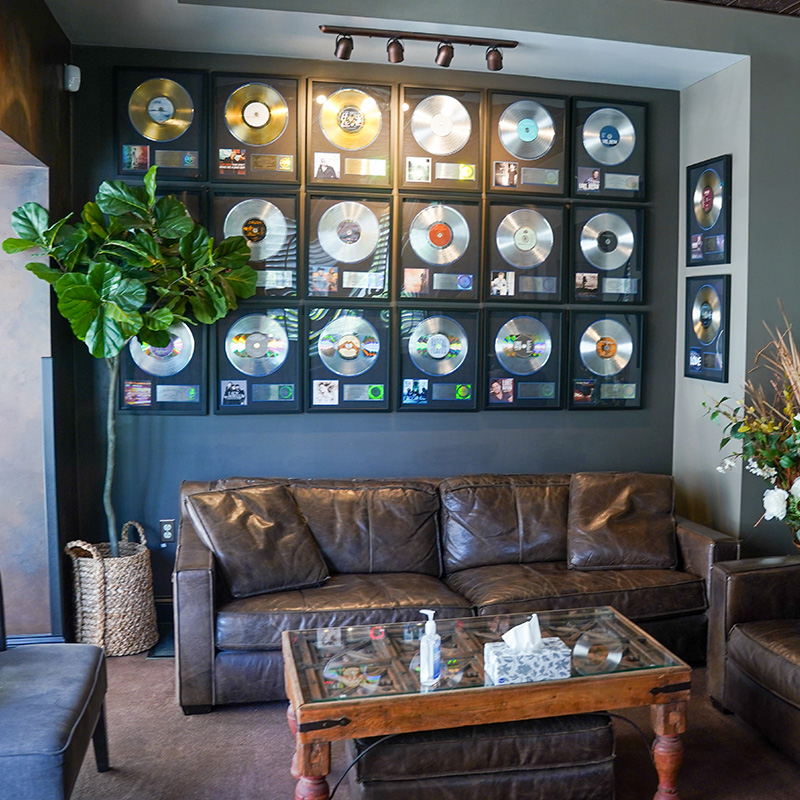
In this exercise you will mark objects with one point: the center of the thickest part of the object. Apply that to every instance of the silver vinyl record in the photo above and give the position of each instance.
(348, 232)
(524, 238)
(441, 125)
(526, 129)
(261, 223)
(438, 345)
(607, 241)
(348, 345)
(706, 314)
(256, 344)
(523, 345)
(609, 136)
(439, 235)
(164, 361)
(606, 347)
(596, 652)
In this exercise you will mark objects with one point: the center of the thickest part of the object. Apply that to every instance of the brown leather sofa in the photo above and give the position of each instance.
(754, 645)
(368, 552)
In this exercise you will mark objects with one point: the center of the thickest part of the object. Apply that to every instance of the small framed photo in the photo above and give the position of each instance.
(708, 212)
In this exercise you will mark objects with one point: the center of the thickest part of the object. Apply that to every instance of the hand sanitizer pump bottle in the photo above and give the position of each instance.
(430, 652)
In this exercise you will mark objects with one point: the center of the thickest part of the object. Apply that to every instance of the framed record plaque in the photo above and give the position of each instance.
(526, 144)
(349, 246)
(441, 140)
(165, 380)
(707, 320)
(161, 121)
(348, 359)
(525, 244)
(607, 254)
(349, 134)
(440, 250)
(258, 362)
(524, 359)
(269, 225)
(438, 360)
(609, 149)
(708, 212)
(255, 129)
(606, 360)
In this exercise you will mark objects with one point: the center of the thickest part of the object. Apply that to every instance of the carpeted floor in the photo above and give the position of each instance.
(243, 753)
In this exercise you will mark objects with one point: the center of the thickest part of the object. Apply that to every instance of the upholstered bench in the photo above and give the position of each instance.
(558, 758)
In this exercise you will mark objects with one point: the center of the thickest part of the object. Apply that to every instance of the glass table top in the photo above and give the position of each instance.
(364, 661)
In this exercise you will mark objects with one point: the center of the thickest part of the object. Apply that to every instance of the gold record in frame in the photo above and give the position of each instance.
(160, 109)
(256, 114)
(350, 119)
(706, 314)
(707, 198)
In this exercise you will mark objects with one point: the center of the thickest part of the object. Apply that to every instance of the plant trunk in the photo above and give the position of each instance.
(111, 449)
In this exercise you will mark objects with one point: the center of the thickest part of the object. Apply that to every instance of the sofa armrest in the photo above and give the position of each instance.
(700, 547)
(748, 590)
(193, 608)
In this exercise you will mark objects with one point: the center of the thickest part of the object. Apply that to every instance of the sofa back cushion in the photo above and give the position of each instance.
(621, 521)
(260, 538)
(373, 525)
(503, 519)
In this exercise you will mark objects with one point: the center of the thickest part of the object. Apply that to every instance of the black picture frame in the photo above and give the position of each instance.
(708, 212)
(707, 324)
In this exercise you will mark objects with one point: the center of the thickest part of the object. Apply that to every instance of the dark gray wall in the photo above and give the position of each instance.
(156, 453)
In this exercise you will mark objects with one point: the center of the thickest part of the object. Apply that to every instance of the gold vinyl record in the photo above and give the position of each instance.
(438, 345)
(609, 136)
(439, 235)
(607, 241)
(261, 223)
(349, 232)
(526, 129)
(160, 109)
(441, 125)
(523, 345)
(350, 119)
(256, 344)
(707, 198)
(164, 361)
(706, 314)
(256, 114)
(606, 347)
(524, 238)
(349, 345)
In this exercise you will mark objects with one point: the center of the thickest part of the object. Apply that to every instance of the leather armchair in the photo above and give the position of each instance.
(754, 645)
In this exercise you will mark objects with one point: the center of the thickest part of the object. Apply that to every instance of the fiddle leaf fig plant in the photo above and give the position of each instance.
(133, 265)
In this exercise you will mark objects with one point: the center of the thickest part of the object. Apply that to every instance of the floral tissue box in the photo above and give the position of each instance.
(502, 664)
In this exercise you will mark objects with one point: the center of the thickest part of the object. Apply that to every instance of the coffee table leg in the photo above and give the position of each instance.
(311, 764)
(669, 722)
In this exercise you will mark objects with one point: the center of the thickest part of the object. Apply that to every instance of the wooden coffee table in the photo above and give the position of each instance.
(359, 681)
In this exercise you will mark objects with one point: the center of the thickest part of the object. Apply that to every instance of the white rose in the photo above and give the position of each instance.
(795, 490)
(775, 503)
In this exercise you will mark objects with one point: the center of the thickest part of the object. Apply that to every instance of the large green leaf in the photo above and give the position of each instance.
(150, 184)
(158, 320)
(171, 219)
(106, 337)
(147, 244)
(70, 245)
(127, 251)
(117, 198)
(12, 246)
(195, 248)
(242, 280)
(44, 271)
(78, 303)
(94, 220)
(30, 221)
(233, 248)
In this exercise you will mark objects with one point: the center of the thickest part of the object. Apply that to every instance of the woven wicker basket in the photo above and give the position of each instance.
(114, 606)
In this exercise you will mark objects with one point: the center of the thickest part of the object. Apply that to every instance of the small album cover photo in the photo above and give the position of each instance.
(232, 161)
(416, 281)
(583, 391)
(327, 166)
(325, 392)
(502, 283)
(233, 393)
(586, 284)
(506, 173)
(135, 157)
(415, 391)
(418, 169)
(589, 179)
(501, 390)
(324, 280)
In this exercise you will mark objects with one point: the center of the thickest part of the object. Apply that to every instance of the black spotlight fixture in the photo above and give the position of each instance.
(494, 59)
(444, 54)
(395, 50)
(344, 46)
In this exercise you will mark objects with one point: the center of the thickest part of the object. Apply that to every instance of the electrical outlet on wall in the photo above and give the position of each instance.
(166, 528)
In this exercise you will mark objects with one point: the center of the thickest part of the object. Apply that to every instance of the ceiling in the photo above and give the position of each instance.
(236, 26)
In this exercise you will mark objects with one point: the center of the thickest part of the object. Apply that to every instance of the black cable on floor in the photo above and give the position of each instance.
(638, 730)
(358, 758)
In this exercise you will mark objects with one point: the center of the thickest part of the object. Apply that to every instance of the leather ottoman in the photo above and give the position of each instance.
(557, 758)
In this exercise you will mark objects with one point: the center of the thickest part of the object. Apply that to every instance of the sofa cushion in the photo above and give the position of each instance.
(255, 623)
(769, 653)
(503, 519)
(638, 594)
(621, 521)
(260, 538)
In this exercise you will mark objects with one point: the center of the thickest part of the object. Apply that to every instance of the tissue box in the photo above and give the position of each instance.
(502, 664)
